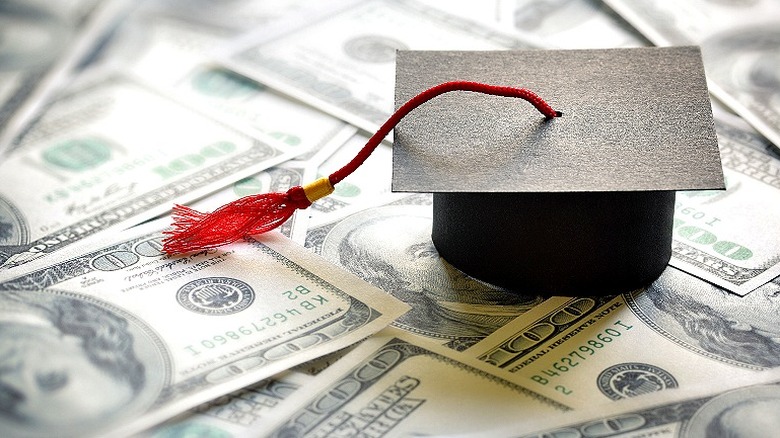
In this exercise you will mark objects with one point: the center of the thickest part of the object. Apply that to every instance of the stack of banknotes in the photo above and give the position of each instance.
(345, 321)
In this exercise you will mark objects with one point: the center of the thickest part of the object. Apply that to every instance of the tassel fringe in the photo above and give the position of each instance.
(253, 214)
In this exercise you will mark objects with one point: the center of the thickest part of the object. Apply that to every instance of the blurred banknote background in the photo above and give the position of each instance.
(346, 322)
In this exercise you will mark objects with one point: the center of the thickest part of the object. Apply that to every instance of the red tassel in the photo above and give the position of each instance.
(253, 214)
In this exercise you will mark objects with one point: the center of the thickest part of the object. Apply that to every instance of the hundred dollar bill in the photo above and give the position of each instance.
(120, 338)
(679, 332)
(162, 40)
(241, 412)
(155, 44)
(390, 247)
(234, 414)
(739, 42)
(397, 384)
(112, 153)
(724, 408)
(724, 237)
(575, 24)
(41, 43)
(159, 48)
(254, 108)
(344, 63)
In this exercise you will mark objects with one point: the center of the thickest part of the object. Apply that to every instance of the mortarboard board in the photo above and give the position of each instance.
(580, 204)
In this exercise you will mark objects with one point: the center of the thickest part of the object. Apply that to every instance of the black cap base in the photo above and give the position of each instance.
(568, 243)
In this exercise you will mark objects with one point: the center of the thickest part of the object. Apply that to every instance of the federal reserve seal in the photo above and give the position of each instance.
(631, 379)
(215, 296)
(373, 48)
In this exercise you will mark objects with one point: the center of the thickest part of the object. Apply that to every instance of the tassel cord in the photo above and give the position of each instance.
(427, 95)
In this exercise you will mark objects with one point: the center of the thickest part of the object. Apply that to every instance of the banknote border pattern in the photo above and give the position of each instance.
(295, 425)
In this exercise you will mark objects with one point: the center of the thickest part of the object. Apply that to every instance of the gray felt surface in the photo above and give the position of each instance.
(634, 120)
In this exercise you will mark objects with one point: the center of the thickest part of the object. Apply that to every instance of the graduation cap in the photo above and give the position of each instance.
(578, 204)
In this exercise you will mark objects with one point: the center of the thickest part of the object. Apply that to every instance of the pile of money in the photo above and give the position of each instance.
(345, 321)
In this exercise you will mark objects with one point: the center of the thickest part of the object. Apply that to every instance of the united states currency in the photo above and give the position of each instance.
(141, 337)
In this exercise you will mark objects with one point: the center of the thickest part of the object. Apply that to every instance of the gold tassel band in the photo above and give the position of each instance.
(318, 189)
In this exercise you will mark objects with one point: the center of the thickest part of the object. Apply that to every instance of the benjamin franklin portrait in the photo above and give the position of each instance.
(391, 248)
(707, 318)
(70, 365)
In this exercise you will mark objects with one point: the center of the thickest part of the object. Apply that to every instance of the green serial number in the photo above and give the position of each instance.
(575, 357)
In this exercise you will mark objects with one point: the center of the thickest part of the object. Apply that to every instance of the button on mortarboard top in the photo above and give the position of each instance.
(577, 205)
